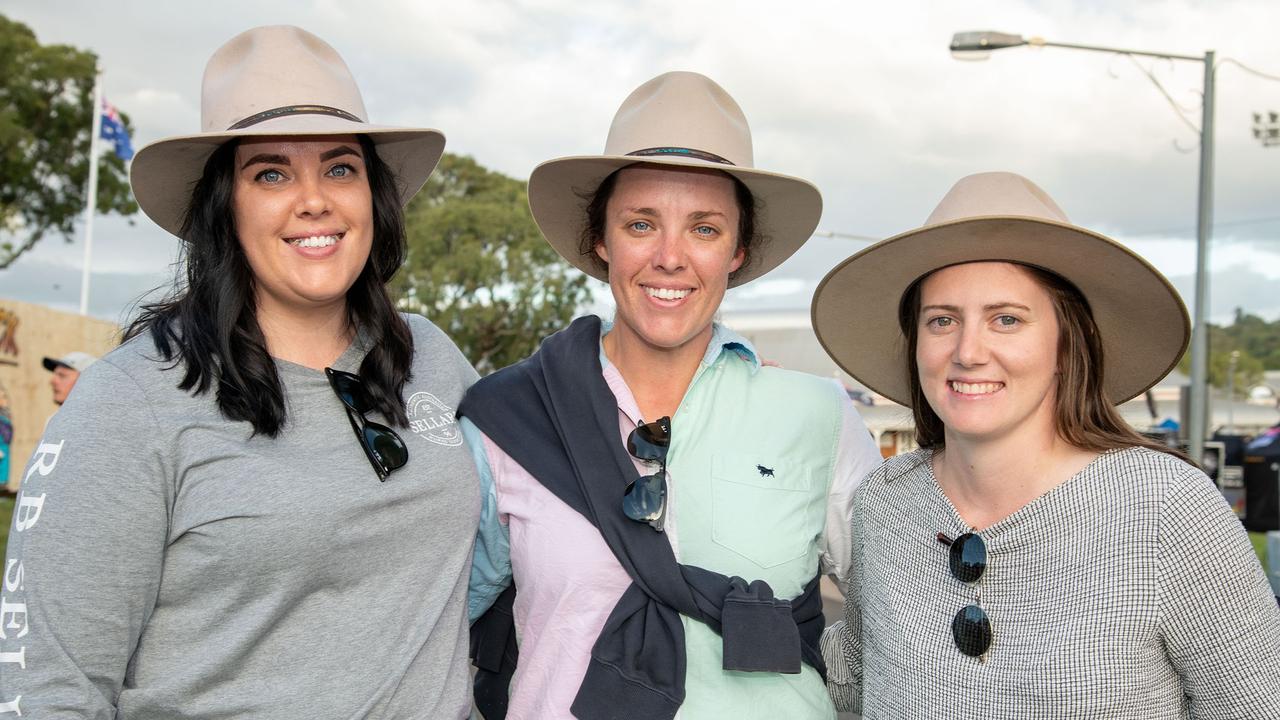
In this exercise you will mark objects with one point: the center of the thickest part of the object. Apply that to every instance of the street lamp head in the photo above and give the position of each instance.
(978, 44)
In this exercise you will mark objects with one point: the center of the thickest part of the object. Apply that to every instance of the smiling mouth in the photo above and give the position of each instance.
(315, 241)
(974, 388)
(666, 293)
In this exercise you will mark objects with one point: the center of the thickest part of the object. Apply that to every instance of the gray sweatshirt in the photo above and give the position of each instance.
(165, 563)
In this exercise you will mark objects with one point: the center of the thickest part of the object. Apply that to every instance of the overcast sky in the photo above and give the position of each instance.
(863, 99)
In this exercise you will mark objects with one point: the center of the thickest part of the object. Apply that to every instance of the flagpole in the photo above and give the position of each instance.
(91, 198)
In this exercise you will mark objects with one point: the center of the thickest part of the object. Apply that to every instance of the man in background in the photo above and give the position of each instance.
(66, 370)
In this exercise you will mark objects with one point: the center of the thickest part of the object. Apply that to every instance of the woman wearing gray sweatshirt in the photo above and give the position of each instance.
(260, 504)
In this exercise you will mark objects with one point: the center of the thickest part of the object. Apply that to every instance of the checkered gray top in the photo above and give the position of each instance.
(1129, 591)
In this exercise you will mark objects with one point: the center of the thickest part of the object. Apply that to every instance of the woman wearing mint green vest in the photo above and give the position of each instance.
(663, 503)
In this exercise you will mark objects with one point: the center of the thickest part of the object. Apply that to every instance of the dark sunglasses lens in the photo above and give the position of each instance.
(972, 630)
(968, 557)
(643, 501)
(350, 390)
(650, 441)
(386, 446)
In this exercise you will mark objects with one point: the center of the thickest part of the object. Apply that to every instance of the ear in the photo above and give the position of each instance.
(602, 251)
(739, 257)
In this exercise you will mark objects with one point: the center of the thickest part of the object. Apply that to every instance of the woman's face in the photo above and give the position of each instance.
(670, 238)
(304, 216)
(987, 344)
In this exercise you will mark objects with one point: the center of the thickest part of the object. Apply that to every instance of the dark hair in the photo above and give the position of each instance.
(598, 203)
(209, 322)
(1083, 414)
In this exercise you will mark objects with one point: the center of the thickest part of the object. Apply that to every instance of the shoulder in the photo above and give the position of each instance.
(137, 363)
(434, 351)
(798, 385)
(1153, 473)
(425, 331)
(907, 467)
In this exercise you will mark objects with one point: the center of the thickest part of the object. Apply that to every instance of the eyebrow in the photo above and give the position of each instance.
(695, 215)
(266, 159)
(270, 159)
(987, 308)
(338, 152)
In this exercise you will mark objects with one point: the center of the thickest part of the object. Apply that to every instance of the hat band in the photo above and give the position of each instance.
(294, 110)
(682, 152)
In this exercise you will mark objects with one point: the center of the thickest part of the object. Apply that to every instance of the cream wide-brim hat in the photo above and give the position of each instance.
(273, 81)
(678, 119)
(1000, 217)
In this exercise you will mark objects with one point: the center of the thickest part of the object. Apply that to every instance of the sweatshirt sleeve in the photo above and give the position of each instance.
(1220, 622)
(85, 552)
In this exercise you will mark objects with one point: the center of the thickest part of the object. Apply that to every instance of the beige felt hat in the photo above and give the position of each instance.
(680, 119)
(1000, 216)
(274, 80)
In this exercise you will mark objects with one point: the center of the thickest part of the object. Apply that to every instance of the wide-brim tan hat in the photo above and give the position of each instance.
(275, 80)
(1000, 217)
(679, 119)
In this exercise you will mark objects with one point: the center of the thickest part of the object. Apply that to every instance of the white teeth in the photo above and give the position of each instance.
(315, 242)
(666, 293)
(975, 388)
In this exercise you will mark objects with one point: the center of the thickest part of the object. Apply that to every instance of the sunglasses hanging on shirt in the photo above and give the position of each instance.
(383, 447)
(646, 498)
(971, 628)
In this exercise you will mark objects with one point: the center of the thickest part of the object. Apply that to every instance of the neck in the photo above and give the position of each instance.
(657, 376)
(990, 479)
(311, 337)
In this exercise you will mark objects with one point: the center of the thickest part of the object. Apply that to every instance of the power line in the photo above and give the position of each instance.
(1246, 68)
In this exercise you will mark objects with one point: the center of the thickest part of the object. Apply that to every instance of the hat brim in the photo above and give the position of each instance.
(52, 364)
(788, 208)
(1142, 320)
(164, 173)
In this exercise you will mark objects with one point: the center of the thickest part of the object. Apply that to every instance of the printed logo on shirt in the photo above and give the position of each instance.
(433, 420)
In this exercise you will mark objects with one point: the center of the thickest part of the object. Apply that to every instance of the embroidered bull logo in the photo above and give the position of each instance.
(764, 471)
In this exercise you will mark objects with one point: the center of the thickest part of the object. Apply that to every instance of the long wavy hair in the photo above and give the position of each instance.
(1083, 414)
(209, 322)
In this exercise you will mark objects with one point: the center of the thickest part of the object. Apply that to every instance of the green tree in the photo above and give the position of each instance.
(479, 268)
(45, 96)
(1249, 335)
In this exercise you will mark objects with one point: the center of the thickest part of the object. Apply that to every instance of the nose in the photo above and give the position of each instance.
(313, 200)
(971, 346)
(670, 254)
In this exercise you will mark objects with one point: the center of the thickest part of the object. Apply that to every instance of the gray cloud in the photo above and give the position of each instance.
(863, 99)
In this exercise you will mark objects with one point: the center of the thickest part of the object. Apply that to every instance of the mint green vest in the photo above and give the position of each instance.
(751, 459)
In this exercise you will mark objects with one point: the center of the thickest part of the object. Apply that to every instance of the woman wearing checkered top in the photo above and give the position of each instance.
(1036, 558)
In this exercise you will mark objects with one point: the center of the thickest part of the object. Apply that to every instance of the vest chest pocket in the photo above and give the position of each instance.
(767, 510)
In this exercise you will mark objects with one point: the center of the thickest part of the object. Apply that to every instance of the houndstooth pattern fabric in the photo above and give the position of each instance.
(1130, 591)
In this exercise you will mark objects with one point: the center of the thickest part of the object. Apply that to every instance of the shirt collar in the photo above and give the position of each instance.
(722, 339)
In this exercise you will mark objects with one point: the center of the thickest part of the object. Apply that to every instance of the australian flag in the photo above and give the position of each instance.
(114, 131)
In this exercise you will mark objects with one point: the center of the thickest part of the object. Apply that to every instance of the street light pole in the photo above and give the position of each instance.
(976, 45)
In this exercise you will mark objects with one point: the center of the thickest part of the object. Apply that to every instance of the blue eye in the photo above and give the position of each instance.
(342, 170)
(270, 176)
(640, 226)
(1007, 320)
(705, 230)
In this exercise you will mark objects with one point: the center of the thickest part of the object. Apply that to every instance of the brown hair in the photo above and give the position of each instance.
(1083, 414)
(598, 202)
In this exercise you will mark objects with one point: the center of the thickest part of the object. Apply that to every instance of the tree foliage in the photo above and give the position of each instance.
(45, 121)
(1258, 343)
(479, 267)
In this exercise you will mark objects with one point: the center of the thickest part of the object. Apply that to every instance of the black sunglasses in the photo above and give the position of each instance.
(971, 627)
(383, 447)
(646, 497)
